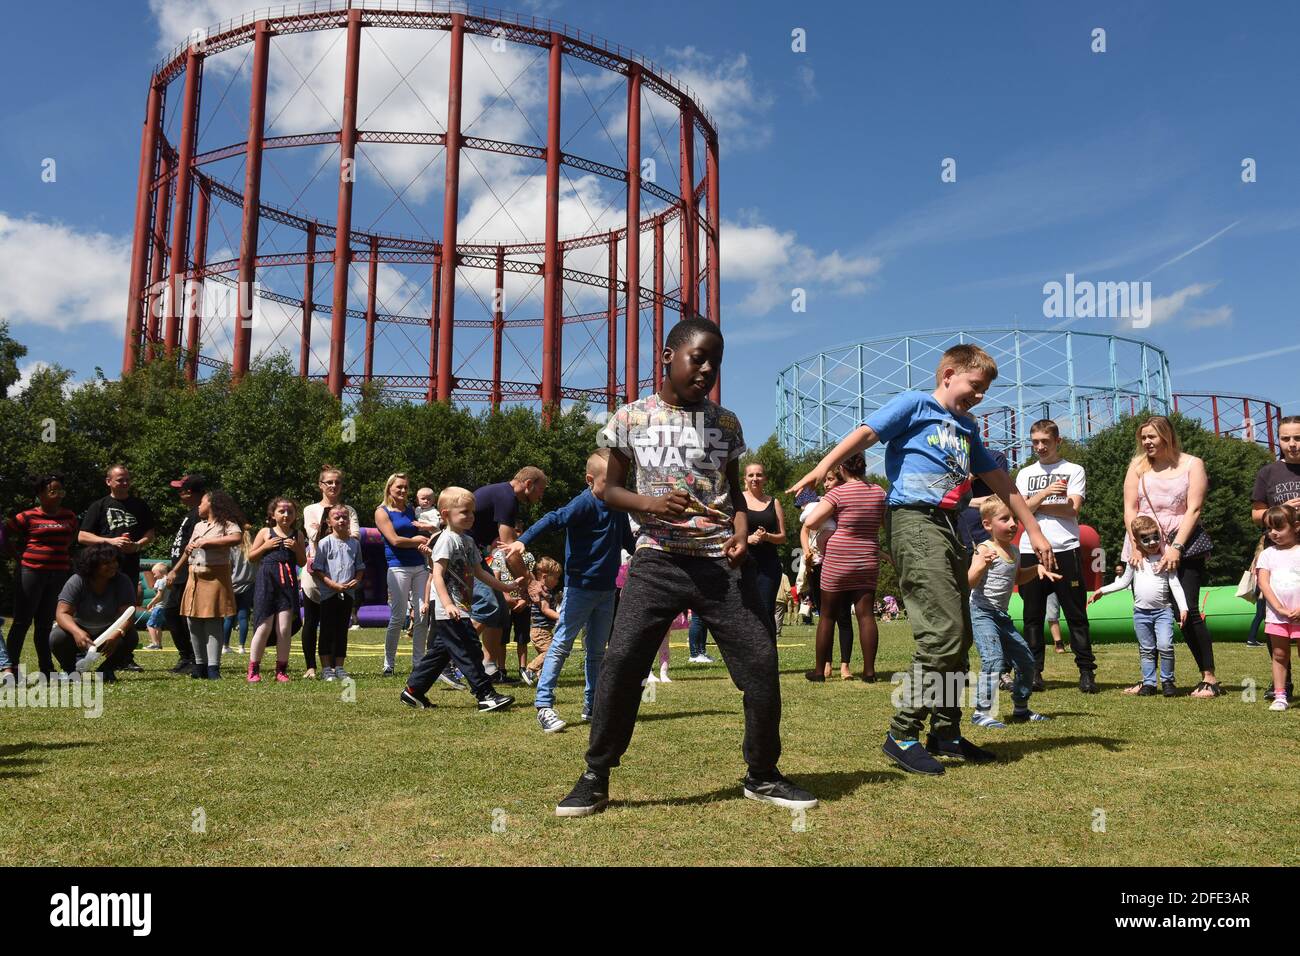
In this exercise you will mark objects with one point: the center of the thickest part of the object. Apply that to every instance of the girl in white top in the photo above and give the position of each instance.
(1156, 590)
(1278, 570)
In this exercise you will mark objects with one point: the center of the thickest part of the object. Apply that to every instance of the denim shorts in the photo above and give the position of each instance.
(489, 610)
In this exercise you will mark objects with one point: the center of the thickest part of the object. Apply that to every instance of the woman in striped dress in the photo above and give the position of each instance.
(850, 562)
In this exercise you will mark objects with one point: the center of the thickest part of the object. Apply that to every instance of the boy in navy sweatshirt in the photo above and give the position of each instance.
(594, 539)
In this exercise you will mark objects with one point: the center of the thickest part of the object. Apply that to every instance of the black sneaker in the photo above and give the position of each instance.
(504, 679)
(183, 667)
(1038, 686)
(913, 759)
(411, 699)
(1087, 683)
(1255, 642)
(778, 790)
(1148, 690)
(1026, 716)
(494, 701)
(133, 667)
(1168, 688)
(589, 795)
(109, 677)
(959, 749)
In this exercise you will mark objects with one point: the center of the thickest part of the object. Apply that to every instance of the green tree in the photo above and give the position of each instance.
(10, 352)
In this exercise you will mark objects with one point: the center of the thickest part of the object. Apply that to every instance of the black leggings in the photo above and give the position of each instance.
(35, 602)
(1191, 574)
(335, 615)
(311, 623)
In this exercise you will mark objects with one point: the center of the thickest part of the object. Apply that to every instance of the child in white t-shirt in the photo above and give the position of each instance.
(1155, 593)
(1278, 570)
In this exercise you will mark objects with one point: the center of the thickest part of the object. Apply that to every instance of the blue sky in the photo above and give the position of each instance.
(1113, 166)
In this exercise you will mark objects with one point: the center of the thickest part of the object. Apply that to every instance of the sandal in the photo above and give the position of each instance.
(1205, 690)
(868, 678)
(1060, 648)
(1135, 689)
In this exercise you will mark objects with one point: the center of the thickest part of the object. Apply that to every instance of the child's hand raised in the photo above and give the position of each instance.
(671, 505)
(986, 556)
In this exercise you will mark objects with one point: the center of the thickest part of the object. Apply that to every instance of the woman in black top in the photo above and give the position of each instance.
(766, 531)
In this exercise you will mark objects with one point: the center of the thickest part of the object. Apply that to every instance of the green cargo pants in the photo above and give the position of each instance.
(932, 569)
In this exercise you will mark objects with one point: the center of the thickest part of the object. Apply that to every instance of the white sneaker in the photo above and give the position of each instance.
(225, 649)
(1278, 704)
(329, 674)
(549, 720)
(586, 717)
(651, 679)
(663, 675)
(701, 659)
(355, 627)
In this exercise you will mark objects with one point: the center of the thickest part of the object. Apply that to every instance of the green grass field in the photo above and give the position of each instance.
(292, 774)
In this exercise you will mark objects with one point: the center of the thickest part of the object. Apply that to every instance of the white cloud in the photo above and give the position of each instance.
(806, 82)
(726, 88)
(54, 275)
(28, 371)
(1211, 317)
(1165, 307)
(773, 263)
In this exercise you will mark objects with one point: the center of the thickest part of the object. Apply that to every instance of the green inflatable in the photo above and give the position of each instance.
(1110, 620)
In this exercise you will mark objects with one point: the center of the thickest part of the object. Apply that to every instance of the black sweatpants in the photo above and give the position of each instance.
(334, 615)
(452, 641)
(659, 587)
(35, 603)
(1072, 593)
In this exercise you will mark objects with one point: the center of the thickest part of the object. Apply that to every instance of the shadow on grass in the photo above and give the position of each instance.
(646, 718)
(9, 759)
(1009, 751)
(826, 787)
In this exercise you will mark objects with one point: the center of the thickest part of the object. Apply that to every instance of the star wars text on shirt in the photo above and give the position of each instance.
(674, 444)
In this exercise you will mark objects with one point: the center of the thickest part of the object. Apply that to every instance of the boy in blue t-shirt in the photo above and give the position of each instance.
(594, 537)
(932, 449)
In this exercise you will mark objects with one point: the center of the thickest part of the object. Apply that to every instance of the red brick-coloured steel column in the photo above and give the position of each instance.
(343, 220)
(252, 218)
(712, 248)
(308, 301)
(611, 345)
(552, 306)
(659, 300)
(144, 199)
(451, 208)
(158, 258)
(372, 283)
(498, 325)
(689, 231)
(431, 394)
(180, 233)
(632, 318)
(194, 287)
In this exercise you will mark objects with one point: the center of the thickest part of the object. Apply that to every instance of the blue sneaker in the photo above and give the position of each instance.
(911, 756)
(981, 719)
(453, 679)
(959, 749)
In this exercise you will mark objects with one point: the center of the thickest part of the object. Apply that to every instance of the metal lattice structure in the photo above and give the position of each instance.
(1247, 417)
(1083, 380)
(228, 262)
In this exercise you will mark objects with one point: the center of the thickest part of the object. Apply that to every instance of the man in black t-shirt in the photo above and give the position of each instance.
(120, 519)
(191, 489)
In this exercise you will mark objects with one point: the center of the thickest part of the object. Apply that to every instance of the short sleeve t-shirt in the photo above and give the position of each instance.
(211, 557)
(494, 505)
(339, 559)
(672, 447)
(1277, 483)
(462, 556)
(313, 516)
(47, 538)
(1283, 566)
(930, 452)
(97, 611)
(1063, 533)
(110, 518)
